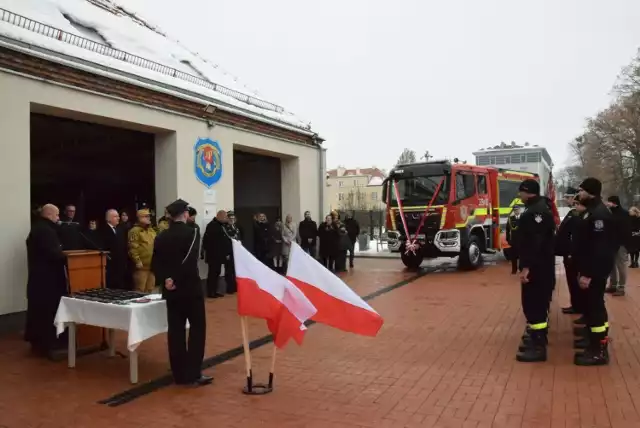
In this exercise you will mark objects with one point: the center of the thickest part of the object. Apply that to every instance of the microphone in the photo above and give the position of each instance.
(86, 238)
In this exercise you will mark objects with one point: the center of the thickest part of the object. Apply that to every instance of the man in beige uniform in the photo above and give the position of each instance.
(141, 239)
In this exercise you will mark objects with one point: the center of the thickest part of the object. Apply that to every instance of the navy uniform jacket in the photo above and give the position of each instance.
(566, 232)
(170, 249)
(595, 241)
(536, 234)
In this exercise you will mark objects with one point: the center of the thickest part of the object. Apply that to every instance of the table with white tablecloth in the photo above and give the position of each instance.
(140, 320)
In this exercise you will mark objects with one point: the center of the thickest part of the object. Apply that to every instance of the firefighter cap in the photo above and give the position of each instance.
(530, 186)
(177, 207)
(144, 212)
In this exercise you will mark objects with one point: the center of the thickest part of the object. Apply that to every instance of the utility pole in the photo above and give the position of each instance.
(427, 156)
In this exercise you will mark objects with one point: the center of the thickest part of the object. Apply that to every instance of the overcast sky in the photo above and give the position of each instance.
(450, 77)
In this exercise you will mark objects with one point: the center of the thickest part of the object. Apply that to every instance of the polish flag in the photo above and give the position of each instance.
(262, 293)
(338, 305)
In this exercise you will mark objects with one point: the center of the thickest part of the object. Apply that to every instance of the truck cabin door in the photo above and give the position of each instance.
(465, 197)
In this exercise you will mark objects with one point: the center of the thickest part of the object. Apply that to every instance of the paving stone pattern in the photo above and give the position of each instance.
(444, 358)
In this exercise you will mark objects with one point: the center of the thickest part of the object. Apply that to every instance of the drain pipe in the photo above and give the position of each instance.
(321, 174)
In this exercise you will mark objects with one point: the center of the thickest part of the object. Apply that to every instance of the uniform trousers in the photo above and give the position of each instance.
(144, 281)
(595, 310)
(577, 294)
(185, 356)
(215, 268)
(536, 295)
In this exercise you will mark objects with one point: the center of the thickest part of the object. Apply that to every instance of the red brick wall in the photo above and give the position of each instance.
(49, 70)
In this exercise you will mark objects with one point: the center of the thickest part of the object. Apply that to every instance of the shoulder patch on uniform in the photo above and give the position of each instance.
(598, 224)
(538, 218)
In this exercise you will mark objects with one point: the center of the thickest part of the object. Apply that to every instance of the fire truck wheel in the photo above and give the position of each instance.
(471, 256)
(411, 261)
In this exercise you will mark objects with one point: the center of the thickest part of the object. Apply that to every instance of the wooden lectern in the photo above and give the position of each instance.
(86, 269)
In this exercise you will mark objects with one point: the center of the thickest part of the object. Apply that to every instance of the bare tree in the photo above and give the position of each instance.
(355, 200)
(407, 156)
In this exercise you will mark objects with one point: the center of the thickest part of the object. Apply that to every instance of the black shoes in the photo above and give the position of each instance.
(201, 381)
(619, 292)
(569, 310)
(596, 354)
(580, 321)
(611, 289)
(533, 349)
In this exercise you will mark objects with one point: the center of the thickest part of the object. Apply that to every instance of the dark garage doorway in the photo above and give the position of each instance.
(94, 167)
(257, 188)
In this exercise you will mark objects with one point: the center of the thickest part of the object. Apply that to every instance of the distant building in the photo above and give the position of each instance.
(354, 189)
(530, 158)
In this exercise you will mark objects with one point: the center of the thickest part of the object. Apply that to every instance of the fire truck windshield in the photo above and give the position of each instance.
(420, 190)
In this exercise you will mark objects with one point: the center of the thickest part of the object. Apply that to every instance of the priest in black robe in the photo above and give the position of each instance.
(47, 281)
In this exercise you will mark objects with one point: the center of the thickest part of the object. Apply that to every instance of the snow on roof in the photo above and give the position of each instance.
(375, 181)
(112, 36)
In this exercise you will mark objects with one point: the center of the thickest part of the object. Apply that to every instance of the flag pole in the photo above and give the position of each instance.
(253, 388)
(247, 355)
(273, 367)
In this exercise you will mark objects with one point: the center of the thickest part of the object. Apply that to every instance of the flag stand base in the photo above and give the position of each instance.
(258, 388)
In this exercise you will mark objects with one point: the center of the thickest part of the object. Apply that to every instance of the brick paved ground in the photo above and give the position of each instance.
(445, 358)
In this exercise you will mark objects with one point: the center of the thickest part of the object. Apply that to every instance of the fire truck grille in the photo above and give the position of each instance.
(429, 228)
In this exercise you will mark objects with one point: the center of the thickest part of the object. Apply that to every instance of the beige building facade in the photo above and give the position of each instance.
(354, 189)
(176, 126)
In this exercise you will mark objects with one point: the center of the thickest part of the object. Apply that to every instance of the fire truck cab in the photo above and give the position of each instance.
(444, 209)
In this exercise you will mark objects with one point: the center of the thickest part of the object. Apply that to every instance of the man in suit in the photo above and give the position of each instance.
(47, 282)
(114, 240)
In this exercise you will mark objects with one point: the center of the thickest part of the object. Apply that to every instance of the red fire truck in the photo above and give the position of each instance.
(444, 209)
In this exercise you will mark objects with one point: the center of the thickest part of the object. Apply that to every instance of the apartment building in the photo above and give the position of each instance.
(355, 189)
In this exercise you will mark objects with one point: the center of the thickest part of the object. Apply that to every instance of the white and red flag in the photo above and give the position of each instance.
(337, 304)
(263, 293)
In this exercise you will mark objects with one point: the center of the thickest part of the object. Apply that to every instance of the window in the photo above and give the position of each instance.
(465, 186)
(374, 196)
(340, 183)
(507, 192)
(420, 190)
(341, 195)
(483, 160)
(533, 157)
(482, 185)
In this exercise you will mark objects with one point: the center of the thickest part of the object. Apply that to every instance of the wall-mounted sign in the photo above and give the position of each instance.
(208, 161)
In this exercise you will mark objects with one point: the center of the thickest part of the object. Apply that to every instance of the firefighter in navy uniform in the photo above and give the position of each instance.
(537, 261)
(564, 238)
(594, 254)
(175, 265)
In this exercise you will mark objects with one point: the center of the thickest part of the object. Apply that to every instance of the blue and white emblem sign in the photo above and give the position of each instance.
(208, 161)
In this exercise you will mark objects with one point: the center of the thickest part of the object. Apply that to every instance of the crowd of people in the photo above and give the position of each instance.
(131, 251)
(595, 239)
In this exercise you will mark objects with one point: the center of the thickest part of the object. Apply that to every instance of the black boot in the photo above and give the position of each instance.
(527, 342)
(568, 310)
(611, 289)
(581, 331)
(580, 321)
(537, 351)
(582, 343)
(596, 354)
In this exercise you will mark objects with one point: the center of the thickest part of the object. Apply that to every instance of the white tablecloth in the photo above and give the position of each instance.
(141, 320)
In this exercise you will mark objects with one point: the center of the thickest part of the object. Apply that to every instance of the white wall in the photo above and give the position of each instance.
(175, 139)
